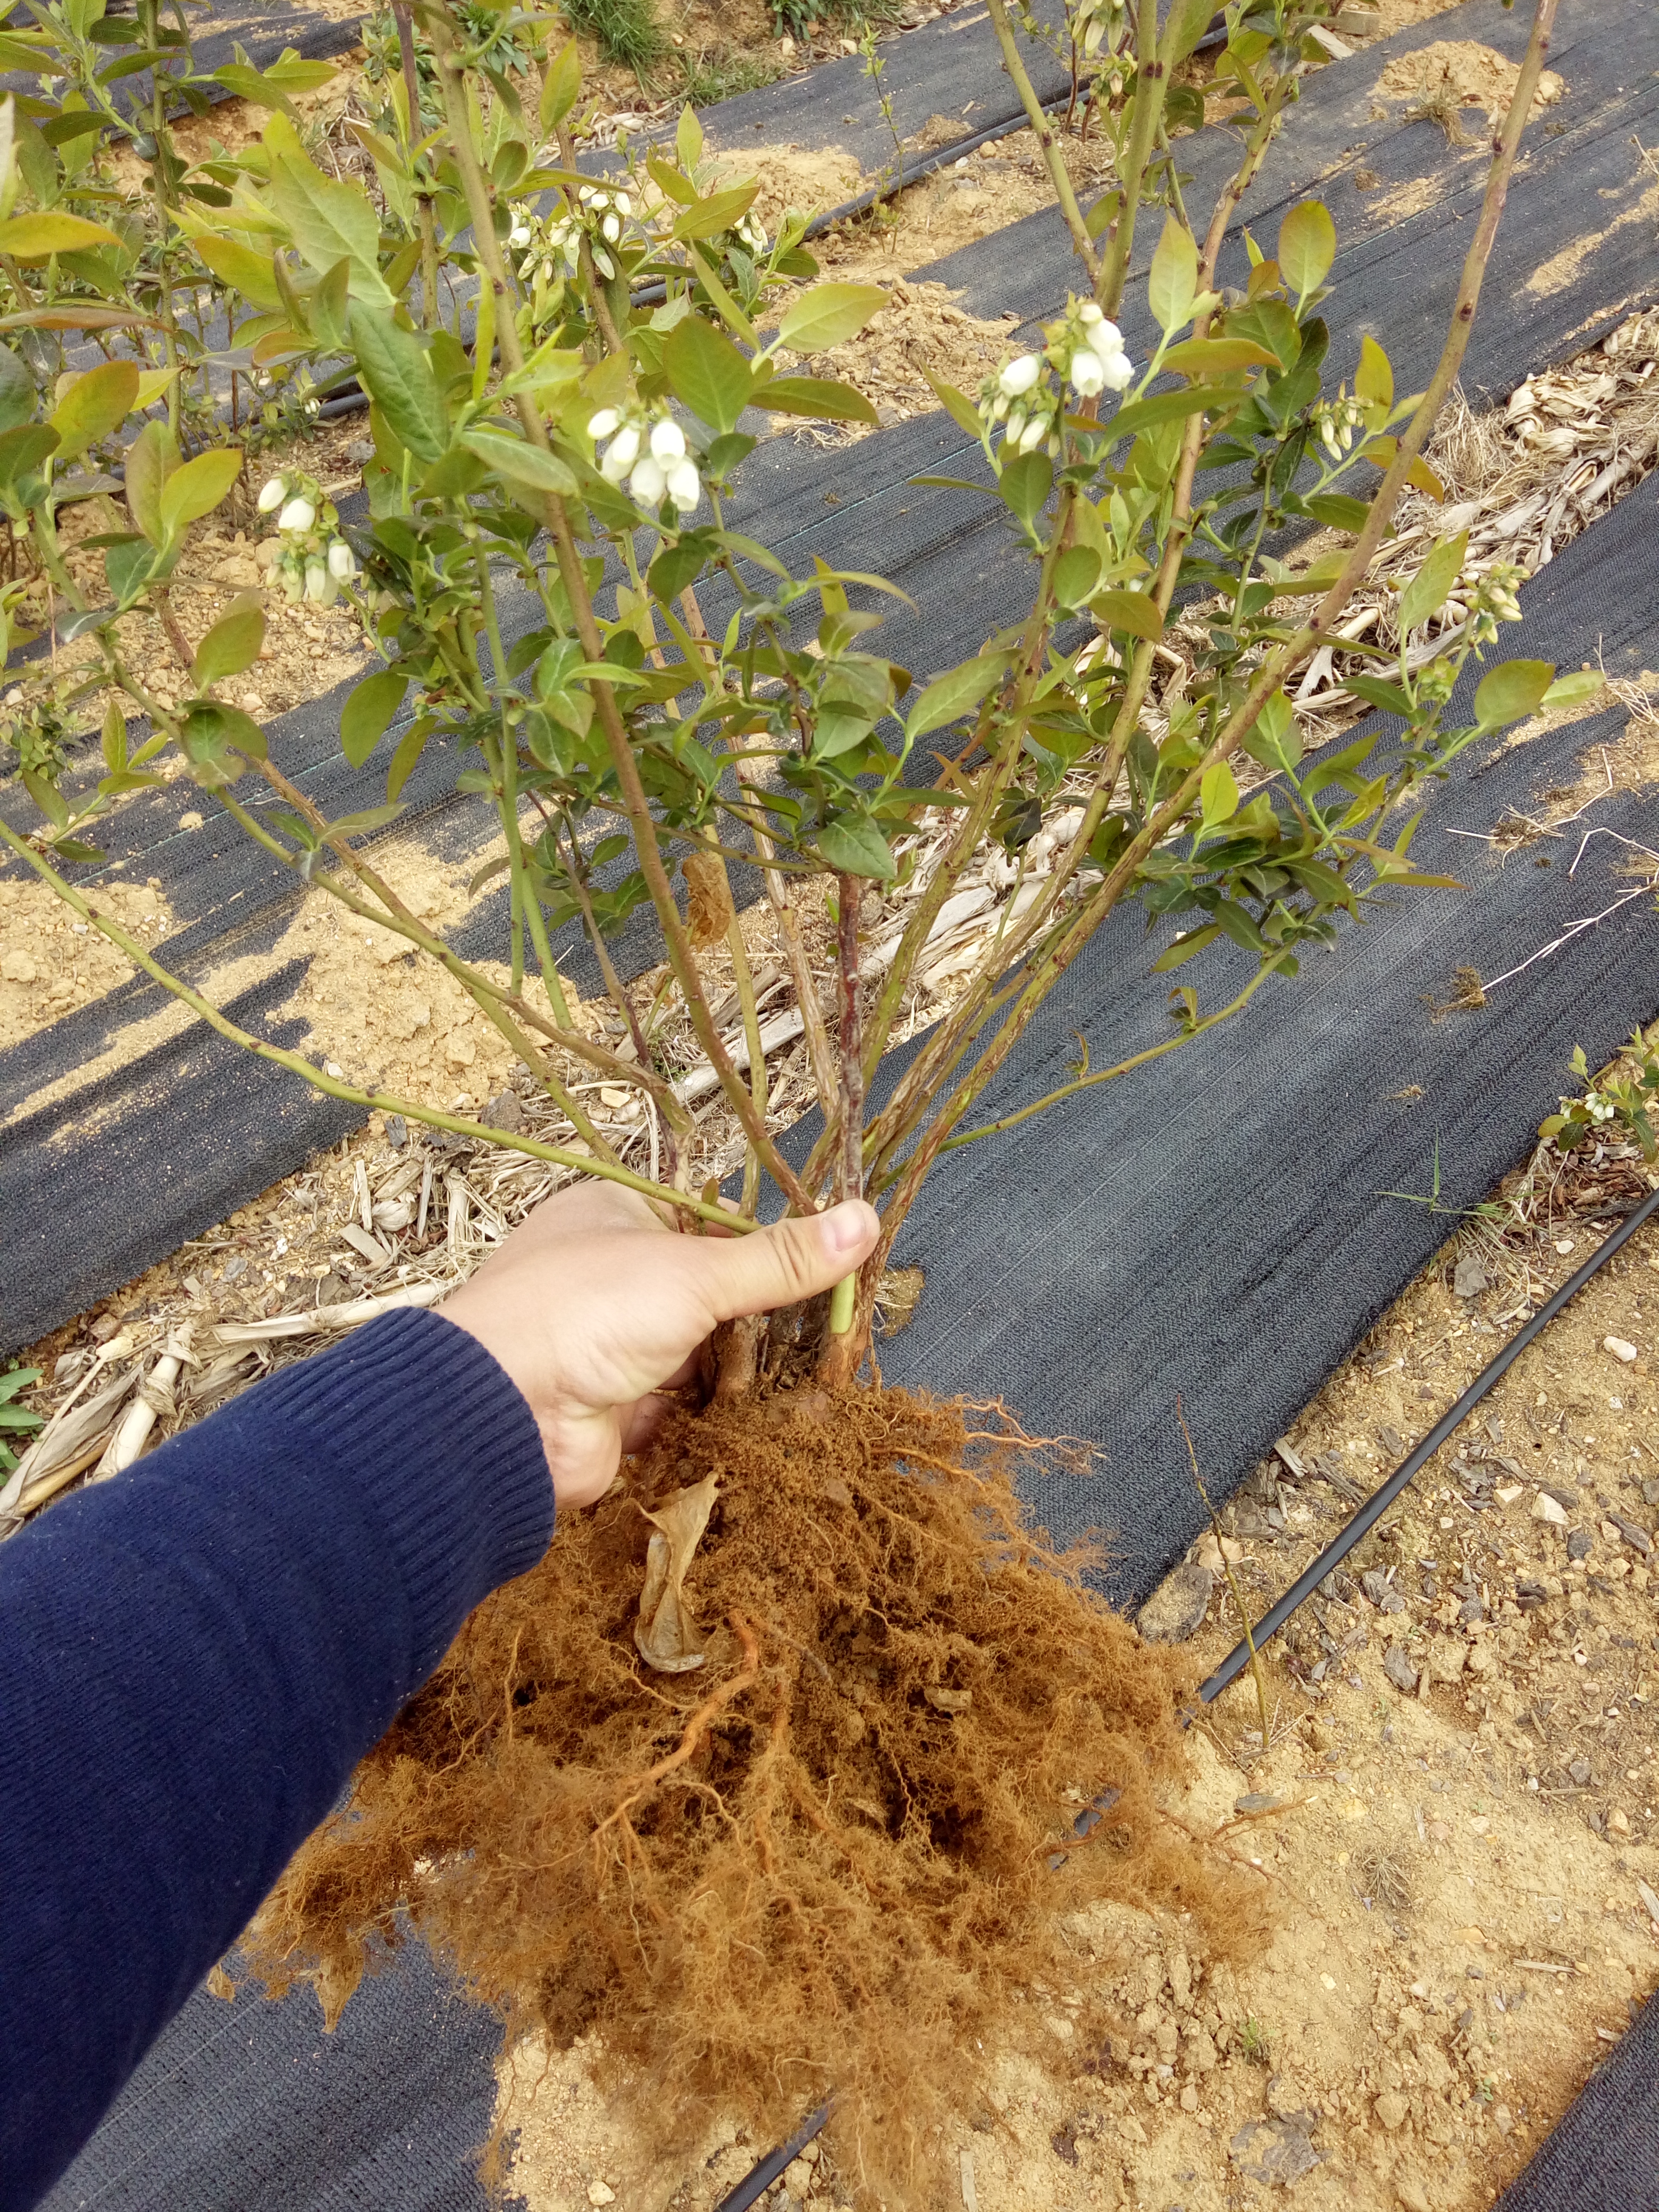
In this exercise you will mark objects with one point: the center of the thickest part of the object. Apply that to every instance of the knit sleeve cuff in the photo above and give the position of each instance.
(443, 1446)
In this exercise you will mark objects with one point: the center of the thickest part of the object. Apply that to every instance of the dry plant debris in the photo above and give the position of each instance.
(1460, 73)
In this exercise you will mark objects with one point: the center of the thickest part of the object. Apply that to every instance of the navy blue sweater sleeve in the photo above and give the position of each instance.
(194, 1656)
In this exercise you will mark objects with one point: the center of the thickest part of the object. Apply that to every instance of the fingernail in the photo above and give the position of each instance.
(846, 1227)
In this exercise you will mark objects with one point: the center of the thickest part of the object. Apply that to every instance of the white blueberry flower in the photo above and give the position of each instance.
(684, 485)
(319, 585)
(1088, 373)
(649, 482)
(272, 495)
(620, 455)
(667, 441)
(1016, 424)
(1117, 371)
(610, 228)
(521, 232)
(1020, 374)
(298, 514)
(341, 562)
(604, 264)
(602, 424)
(1033, 434)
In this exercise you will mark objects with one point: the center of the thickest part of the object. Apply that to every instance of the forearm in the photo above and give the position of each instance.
(196, 1655)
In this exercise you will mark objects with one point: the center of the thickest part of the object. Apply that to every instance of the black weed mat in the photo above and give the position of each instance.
(1604, 2156)
(217, 29)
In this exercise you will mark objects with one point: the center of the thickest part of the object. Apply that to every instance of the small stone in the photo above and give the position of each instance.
(598, 2193)
(1621, 1349)
(361, 450)
(1412, 2194)
(239, 570)
(18, 967)
(505, 1112)
(1176, 1608)
(1508, 1493)
(948, 1701)
(459, 1050)
(1397, 1666)
(1546, 1508)
(1375, 1583)
(1257, 1800)
(1633, 1533)
(397, 1132)
(1189, 2099)
(1619, 1823)
(1580, 1771)
(1580, 1543)
(192, 820)
(1392, 2110)
(1269, 2151)
(1470, 1278)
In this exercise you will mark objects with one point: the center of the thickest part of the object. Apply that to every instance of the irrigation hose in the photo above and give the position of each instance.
(759, 2179)
(1377, 1505)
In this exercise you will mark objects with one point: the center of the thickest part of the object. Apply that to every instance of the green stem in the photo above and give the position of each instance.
(1146, 112)
(1054, 159)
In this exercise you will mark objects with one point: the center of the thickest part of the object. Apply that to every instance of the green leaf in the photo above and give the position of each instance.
(1273, 738)
(1133, 611)
(197, 489)
(1337, 510)
(1307, 247)
(213, 735)
(271, 88)
(1513, 690)
(1373, 383)
(855, 847)
(242, 268)
(561, 87)
(327, 221)
(819, 397)
(1184, 948)
(1428, 590)
(520, 462)
(835, 734)
(707, 218)
(707, 374)
(22, 450)
(952, 694)
(94, 405)
(1163, 407)
(830, 314)
(1201, 357)
(17, 390)
(36, 237)
(1173, 285)
(151, 459)
(394, 365)
(1077, 572)
(1025, 483)
(957, 404)
(688, 140)
(1218, 795)
(1186, 24)
(368, 713)
(232, 644)
(1570, 690)
(404, 761)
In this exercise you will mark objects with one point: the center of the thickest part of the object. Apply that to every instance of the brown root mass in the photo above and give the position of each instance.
(822, 1862)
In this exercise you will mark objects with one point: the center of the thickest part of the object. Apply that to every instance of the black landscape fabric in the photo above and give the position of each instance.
(1604, 2156)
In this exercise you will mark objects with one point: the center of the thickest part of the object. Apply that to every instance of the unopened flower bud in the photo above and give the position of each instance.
(318, 580)
(1020, 374)
(667, 441)
(272, 495)
(1033, 434)
(611, 227)
(298, 514)
(341, 562)
(623, 452)
(602, 424)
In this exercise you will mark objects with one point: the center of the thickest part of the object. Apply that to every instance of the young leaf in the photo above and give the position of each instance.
(1338, 510)
(394, 367)
(197, 489)
(1273, 739)
(1429, 589)
(957, 404)
(818, 397)
(1307, 247)
(1077, 572)
(830, 314)
(242, 268)
(520, 462)
(707, 218)
(368, 713)
(151, 459)
(1202, 357)
(94, 405)
(855, 848)
(325, 220)
(1373, 383)
(707, 374)
(232, 644)
(1025, 483)
(954, 693)
(1569, 690)
(1218, 794)
(1513, 690)
(1133, 611)
(37, 237)
(687, 139)
(17, 390)
(560, 87)
(1173, 285)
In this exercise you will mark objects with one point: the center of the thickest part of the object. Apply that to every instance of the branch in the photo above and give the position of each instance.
(1152, 82)
(1060, 176)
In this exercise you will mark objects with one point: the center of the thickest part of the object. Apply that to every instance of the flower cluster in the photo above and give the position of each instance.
(750, 232)
(1338, 423)
(1084, 351)
(313, 560)
(1492, 598)
(651, 456)
(551, 248)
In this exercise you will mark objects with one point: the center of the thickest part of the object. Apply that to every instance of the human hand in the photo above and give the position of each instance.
(592, 1305)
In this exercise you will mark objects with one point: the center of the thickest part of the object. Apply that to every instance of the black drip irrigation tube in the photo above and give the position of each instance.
(1377, 1505)
(759, 2179)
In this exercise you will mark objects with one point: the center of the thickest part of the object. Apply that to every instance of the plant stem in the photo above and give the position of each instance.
(1053, 158)
(1152, 82)
(424, 216)
(378, 1102)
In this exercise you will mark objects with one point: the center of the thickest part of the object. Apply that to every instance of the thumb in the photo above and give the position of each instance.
(780, 1266)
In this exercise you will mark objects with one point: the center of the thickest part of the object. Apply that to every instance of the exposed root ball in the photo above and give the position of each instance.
(821, 1861)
